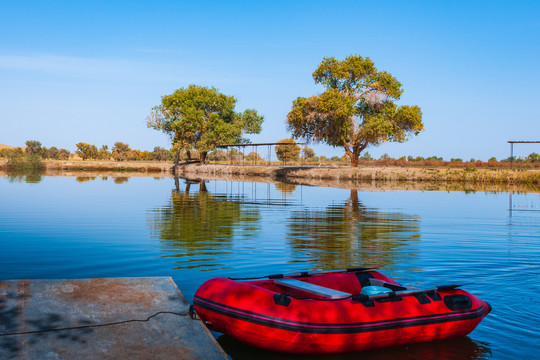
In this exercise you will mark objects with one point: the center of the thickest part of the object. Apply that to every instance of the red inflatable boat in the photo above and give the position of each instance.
(333, 312)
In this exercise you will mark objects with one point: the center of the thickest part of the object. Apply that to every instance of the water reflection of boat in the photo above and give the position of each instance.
(461, 348)
(332, 312)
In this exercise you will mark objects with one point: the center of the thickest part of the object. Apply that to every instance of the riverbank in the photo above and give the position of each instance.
(301, 174)
(56, 166)
(362, 174)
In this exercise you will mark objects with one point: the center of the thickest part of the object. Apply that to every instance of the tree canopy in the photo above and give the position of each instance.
(201, 118)
(287, 150)
(87, 151)
(33, 147)
(357, 109)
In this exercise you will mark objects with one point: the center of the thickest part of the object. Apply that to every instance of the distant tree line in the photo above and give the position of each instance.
(119, 152)
(287, 152)
(34, 148)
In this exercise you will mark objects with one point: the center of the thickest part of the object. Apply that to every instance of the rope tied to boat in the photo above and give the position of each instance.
(191, 313)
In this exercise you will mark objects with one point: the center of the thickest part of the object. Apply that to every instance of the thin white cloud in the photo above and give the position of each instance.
(109, 69)
(154, 51)
(71, 66)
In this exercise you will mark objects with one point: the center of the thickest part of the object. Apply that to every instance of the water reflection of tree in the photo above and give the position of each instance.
(121, 179)
(198, 227)
(285, 188)
(349, 234)
(30, 178)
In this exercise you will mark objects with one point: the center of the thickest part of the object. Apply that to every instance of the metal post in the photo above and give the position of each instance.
(510, 204)
(511, 154)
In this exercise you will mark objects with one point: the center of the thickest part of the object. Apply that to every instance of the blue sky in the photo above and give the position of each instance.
(91, 71)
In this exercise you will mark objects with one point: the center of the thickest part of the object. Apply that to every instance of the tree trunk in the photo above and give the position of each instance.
(353, 199)
(202, 157)
(351, 155)
(188, 154)
(176, 182)
(355, 153)
(176, 158)
(202, 186)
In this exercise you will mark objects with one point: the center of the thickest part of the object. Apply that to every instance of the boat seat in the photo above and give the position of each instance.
(312, 288)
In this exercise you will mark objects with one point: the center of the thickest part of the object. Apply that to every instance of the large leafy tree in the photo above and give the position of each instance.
(357, 109)
(201, 118)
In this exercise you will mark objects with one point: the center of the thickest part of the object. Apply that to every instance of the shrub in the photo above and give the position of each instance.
(33, 147)
(366, 156)
(24, 163)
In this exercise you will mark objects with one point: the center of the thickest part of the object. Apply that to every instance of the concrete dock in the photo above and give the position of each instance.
(113, 318)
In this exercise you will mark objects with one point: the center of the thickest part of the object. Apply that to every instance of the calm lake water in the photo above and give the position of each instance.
(58, 227)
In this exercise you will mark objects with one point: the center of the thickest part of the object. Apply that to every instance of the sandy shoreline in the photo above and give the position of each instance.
(396, 177)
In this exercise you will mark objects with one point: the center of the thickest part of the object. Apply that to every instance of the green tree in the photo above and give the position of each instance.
(52, 153)
(358, 108)
(87, 151)
(534, 157)
(287, 150)
(103, 153)
(161, 154)
(63, 154)
(253, 157)
(201, 118)
(308, 153)
(33, 147)
(217, 155)
(121, 151)
(367, 156)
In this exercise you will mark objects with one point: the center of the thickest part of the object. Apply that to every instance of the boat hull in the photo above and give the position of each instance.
(251, 313)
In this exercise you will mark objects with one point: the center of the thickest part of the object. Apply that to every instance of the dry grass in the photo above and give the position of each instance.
(431, 176)
(371, 173)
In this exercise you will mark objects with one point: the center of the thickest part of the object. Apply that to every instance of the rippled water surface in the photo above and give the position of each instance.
(58, 227)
